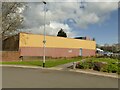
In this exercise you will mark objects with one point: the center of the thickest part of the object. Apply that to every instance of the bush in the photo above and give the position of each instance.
(118, 71)
(100, 64)
(90, 65)
(104, 68)
(84, 65)
(110, 68)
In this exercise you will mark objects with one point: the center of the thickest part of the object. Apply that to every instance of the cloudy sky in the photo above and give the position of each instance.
(97, 20)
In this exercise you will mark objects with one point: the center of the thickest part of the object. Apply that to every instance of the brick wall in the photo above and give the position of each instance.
(87, 52)
(50, 52)
(10, 55)
(55, 52)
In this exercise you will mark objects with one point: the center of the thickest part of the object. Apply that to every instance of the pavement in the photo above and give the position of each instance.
(65, 67)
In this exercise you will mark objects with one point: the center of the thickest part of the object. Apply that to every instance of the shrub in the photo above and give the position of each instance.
(100, 64)
(104, 68)
(90, 64)
(112, 68)
(84, 65)
(118, 71)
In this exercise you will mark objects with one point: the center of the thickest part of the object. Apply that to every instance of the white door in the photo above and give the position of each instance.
(80, 52)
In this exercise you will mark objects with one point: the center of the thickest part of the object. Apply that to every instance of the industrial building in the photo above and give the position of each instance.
(32, 45)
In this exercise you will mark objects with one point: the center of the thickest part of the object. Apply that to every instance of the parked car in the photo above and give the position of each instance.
(108, 53)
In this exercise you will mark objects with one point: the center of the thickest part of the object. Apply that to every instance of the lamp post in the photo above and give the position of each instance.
(44, 41)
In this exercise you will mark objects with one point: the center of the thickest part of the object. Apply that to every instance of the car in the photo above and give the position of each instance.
(108, 53)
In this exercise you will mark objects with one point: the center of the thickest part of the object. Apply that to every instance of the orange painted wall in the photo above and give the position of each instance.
(32, 40)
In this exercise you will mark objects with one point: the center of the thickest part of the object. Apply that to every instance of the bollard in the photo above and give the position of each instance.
(74, 65)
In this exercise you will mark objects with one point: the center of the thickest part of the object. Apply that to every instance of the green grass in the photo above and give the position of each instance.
(49, 62)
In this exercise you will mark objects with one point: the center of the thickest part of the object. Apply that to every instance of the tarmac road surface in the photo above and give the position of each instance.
(45, 78)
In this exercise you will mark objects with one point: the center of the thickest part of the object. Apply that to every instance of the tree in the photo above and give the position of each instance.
(11, 18)
(111, 48)
(61, 33)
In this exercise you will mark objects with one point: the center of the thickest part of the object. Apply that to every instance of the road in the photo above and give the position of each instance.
(44, 78)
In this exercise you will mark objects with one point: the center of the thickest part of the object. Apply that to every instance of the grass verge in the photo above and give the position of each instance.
(49, 62)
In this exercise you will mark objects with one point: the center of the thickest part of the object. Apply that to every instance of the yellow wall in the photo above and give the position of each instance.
(32, 40)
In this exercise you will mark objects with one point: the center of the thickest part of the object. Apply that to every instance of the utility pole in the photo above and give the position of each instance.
(44, 41)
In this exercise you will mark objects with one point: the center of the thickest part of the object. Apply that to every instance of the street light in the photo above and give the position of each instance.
(44, 41)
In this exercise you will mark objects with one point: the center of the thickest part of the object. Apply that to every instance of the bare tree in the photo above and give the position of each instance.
(11, 18)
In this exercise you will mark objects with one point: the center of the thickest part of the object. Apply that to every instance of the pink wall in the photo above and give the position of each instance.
(55, 52)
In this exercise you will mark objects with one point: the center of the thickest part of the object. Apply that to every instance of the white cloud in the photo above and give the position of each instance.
(51, 29)
(57, 13)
